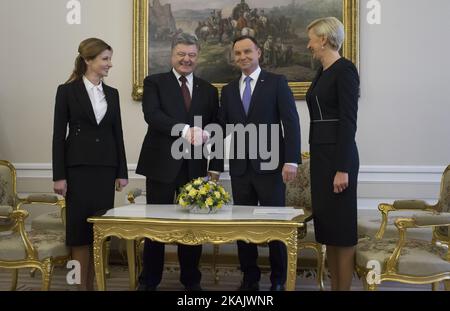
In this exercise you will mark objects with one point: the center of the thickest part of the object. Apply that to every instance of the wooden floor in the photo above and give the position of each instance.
(229, 280)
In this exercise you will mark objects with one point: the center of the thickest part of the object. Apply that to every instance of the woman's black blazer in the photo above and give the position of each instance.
(87, 143)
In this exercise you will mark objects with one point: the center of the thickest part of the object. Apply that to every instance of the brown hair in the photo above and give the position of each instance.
(87, 50)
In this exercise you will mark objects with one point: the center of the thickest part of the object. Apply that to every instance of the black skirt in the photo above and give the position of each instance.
(335, 215)
(89, 190)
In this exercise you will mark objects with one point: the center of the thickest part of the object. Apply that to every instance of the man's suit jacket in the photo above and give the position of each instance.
(272, 102)
(88, 143)
(163, 107)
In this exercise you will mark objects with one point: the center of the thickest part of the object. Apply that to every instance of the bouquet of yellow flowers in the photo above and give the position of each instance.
(203, 194)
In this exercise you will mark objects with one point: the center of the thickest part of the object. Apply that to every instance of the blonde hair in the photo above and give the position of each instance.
(88, 50)
(331, 28)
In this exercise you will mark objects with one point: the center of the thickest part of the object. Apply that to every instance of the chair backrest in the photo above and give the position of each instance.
(7, 184)
(444, 199)
(298, 191)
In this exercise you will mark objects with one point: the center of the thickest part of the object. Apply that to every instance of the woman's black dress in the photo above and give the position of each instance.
(333, 104)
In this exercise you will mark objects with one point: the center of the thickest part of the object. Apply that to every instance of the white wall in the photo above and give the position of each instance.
(403, 125)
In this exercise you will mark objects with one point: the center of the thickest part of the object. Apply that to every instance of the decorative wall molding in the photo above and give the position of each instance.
(377, 183)
(369, 174)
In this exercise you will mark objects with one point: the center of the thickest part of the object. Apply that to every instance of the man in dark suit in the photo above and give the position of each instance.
(170, 99)
(262, 99)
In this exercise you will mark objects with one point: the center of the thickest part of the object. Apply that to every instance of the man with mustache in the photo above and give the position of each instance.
(172, 98)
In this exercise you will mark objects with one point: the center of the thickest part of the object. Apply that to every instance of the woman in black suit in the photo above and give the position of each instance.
(333, 104)
(90, 162)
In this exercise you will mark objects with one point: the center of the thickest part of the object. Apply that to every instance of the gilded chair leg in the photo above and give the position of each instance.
(107, 253)
(15, 276)
(435, 286)
(214, 263)
(320, 265)
(47, 269)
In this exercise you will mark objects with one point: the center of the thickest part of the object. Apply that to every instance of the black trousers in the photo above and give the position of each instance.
(188, 256)
(267, 190)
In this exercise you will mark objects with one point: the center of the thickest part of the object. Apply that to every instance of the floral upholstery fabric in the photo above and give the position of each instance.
(6, 191)
(48, 243)
(418, 258)
(48, 221)
(298, 191)
(445, 199)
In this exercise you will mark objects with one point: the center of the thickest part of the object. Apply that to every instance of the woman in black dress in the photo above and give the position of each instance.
(333, 104)
(90, 162)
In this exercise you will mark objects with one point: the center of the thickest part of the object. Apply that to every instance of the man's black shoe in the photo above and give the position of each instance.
(246, 286)
(277, 288)
(146, 288)
(193, 288)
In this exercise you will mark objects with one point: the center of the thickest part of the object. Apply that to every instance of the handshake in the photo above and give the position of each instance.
(196, 136)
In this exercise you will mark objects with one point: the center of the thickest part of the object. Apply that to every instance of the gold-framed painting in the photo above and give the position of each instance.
(279, 27)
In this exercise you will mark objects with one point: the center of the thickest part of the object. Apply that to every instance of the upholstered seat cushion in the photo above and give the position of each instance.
(418, 257)
(48, 221)
(47, 243)
(369, 221)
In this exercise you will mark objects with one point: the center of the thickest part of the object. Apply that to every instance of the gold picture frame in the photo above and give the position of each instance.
(350, 17)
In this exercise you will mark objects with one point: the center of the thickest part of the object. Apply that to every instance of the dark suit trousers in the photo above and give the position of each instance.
(267, 190)
(188, 256)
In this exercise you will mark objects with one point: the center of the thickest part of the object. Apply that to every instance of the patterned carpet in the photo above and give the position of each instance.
(229, 280)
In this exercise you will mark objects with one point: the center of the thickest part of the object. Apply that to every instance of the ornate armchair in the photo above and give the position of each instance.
(411, 258)
(39, 248)
(405, 259)
(379, 227)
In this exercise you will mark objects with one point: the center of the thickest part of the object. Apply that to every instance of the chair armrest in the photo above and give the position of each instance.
(411, 205)
(48, 199)
(399, 205)
(442, 219)
(41, 198)
(133, 194)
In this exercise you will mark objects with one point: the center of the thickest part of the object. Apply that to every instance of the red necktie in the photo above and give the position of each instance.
(186, 93)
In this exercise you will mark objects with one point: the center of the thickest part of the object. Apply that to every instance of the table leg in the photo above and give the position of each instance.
(99, 260)
(131, 256)
(291, 246)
